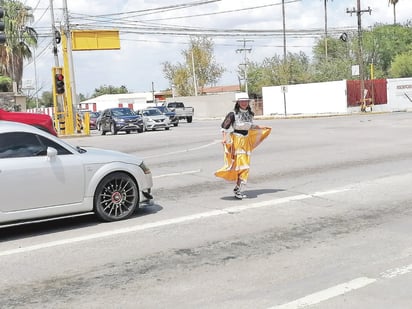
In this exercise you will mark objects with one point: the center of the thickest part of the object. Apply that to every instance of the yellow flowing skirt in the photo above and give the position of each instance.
(237, 154)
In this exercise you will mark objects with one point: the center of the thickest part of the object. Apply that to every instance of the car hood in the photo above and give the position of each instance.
(127, 117)
(97, 155)
(156, 117)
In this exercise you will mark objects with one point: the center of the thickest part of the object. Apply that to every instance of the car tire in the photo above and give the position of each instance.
(113, 129)
(127, 131)
(176, 124)
(103, 131)
(116, 197)
(189, 119)
(167, 128)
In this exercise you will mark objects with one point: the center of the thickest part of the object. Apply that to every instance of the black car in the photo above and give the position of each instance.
(174, 120)
(120, 119)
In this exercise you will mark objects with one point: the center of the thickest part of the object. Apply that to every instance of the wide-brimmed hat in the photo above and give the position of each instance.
(241, 96)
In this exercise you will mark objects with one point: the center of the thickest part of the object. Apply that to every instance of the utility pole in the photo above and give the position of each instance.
(326, 28)
(194, 73)
(359, 12)
(284, 56)
(245, 51)
(153, 94)
(55, 34)
(69, 55)
(284, 31)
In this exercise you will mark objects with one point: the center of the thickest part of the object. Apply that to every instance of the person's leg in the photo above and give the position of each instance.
(241, 184)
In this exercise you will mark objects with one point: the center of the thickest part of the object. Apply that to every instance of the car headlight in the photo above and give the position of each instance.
(145, 168)
(118, 119)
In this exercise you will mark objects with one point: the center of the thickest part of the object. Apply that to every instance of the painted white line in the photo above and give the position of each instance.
(168, 222)
(178, 174)
(392, 273)
(326, 294)
(183, 150)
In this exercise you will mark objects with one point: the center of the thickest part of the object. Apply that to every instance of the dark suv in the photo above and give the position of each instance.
(120, 119)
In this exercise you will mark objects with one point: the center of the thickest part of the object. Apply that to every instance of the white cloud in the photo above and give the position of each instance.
(138, 63)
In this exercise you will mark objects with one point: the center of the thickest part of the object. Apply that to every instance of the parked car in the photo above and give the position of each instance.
(41, 121)
(174, 119)
(42, 176)
(182, 111)
(120, 119)
(153, 119)
(92, 119)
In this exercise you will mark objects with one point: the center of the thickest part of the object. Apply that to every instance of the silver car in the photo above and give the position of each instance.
(154, 119)
(42, 176)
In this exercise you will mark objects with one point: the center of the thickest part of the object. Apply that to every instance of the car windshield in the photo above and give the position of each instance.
(152, 112)
(123, 112)
(94, 114)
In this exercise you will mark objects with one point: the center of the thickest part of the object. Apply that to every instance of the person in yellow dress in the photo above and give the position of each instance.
(240, 137)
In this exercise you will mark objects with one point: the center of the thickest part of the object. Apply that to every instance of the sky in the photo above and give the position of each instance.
(156, 31)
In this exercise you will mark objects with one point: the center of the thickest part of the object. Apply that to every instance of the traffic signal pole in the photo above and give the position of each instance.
(69, 110)
(65, 104)
(68, 73)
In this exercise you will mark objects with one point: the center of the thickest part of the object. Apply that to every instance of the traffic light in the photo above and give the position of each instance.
(2, 26)
(59, 83)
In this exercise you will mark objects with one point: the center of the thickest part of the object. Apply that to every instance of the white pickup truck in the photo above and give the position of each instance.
(182, 111)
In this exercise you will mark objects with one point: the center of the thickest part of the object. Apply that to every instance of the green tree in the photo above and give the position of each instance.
(337, 65)
(82, 97)
(383, 43)
(46, 99)
(179, 77)
(199, 66)
(274, 71)
(402, 65)
(19, 39)
(5, 83)
(109, 89)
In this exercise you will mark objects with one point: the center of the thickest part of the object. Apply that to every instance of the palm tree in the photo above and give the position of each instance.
(19, 39)
(394, 2)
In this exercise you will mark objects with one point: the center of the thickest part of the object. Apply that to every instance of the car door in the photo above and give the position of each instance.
(29, 179)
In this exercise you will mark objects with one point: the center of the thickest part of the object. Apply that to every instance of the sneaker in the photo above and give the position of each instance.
(236, 189)
(240, 195)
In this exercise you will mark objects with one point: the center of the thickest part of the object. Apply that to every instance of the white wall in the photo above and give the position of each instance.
(399, 94)
(314, 98)
(209, 106)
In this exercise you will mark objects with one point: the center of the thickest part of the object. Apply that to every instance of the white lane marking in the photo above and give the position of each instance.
(391, 273)
(183, 150)
(161, 223)
(178, 174)
(326, 294)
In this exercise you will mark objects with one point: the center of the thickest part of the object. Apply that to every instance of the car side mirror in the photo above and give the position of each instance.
(51, 153)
